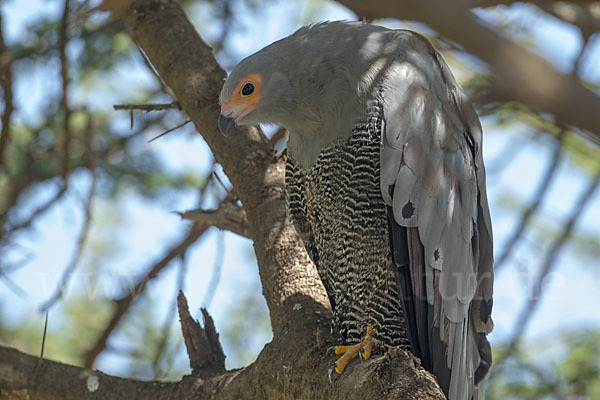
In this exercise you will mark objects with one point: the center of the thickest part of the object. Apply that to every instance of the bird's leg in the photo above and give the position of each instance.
(362, 349)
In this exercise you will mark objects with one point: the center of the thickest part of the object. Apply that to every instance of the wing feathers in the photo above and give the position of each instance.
(433, 178)
(405, 197)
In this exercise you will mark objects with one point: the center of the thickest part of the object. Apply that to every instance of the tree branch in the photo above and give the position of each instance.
(147, 107)
(284, 374)
(256, 171)
(203, 346)
(228, 217)
(580, 16)
(27, 377)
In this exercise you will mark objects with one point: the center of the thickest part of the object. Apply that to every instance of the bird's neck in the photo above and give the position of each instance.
(305, 145)
(328, 125)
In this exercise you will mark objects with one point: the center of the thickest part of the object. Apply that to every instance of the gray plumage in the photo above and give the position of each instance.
(386, 187)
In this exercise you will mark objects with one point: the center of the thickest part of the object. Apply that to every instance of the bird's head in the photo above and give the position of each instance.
(254, 92)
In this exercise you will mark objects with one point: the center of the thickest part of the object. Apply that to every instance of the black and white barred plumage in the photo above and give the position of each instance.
(338, 211)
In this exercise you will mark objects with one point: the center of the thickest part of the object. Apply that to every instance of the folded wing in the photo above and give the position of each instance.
(433, 179)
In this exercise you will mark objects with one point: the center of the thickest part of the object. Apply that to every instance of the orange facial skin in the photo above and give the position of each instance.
(238, 105)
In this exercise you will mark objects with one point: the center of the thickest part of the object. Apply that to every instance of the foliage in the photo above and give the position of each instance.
(570, 368)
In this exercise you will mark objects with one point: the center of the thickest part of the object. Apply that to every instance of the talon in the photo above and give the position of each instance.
(330, 370)
(362, 350)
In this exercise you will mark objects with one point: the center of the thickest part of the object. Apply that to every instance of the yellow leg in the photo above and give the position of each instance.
(362, 349)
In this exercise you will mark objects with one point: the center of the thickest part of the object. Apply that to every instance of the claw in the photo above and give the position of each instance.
(362, 349)
(332, 367)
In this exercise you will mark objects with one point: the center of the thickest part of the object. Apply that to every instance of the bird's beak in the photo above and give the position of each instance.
(232, 113)
(228, 117)
(225, 124)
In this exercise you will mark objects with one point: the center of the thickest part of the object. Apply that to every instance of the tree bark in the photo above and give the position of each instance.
(294, 365)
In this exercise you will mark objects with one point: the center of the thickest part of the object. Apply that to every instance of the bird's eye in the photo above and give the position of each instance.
(248, 89)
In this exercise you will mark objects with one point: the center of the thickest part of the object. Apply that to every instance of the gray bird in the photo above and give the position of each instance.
(385, 185)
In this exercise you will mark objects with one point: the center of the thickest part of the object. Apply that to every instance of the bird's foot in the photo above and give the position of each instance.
(362, 350)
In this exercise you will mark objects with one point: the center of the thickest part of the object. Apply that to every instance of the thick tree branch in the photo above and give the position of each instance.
(26, 377)
(279, 373)
(255, 170)
(523, 76)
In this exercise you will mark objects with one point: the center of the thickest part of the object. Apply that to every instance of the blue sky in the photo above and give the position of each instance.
(146, 228)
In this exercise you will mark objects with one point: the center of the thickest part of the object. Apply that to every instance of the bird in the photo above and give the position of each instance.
(385, 185)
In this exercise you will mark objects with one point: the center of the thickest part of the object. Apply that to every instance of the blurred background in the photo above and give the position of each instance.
(88, 229)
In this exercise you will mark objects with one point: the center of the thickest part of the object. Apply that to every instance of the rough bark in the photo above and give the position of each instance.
(294, 364)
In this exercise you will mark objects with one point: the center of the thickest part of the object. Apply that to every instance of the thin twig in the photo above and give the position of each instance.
(170, 130)
(148, 107)
(209, 179)
(44, 336)
(145, 107)
(148, 63)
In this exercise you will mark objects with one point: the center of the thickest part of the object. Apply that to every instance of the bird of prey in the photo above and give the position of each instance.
(385, 185)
